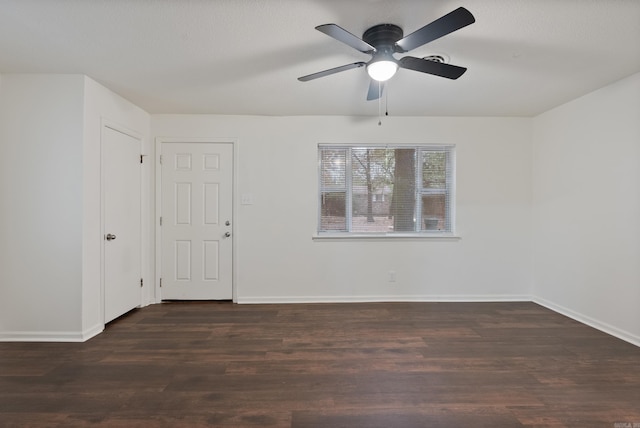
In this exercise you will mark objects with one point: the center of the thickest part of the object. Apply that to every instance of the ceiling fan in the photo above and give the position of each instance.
(383, 40)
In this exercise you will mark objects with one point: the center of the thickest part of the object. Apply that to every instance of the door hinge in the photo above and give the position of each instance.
(160, 282)
(141, 158)
(141, 282)
(160, 159)
(160, 220)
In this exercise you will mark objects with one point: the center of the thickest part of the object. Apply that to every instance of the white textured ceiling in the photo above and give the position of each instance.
(244, 56)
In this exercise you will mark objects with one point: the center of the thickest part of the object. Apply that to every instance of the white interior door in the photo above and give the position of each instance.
(122, 230)
(196, 226)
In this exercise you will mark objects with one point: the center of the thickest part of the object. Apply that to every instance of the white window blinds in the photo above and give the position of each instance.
(391, 189)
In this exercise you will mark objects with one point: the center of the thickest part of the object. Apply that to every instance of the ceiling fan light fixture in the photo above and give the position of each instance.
(382, 70)
(383, 41)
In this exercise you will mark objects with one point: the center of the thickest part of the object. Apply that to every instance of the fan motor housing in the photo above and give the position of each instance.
(383, 36)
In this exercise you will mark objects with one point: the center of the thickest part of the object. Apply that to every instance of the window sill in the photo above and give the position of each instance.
(385, 237)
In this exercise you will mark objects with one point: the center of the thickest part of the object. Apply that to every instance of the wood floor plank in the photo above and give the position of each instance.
(215, 364)
(402, 418)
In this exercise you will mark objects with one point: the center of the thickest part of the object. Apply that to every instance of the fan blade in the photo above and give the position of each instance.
(375, 90)
(331, 71)
(342, 35)
(437, 68)
(442, 26)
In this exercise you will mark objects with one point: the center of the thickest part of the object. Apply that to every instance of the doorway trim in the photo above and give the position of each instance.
(158, 207)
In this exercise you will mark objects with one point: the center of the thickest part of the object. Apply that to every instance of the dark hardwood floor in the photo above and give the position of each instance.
(327, 365)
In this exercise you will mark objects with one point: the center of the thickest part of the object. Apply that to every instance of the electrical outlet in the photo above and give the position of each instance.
(246, 199)
(392, 276)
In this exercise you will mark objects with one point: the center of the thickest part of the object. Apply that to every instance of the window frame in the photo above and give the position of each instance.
(420, 230)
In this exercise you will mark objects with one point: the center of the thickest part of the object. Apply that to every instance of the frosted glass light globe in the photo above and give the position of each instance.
(382, 70)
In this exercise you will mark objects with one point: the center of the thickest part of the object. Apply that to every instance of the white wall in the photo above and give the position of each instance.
(50, 221)
(277, 260)
(586, 199)
(102, 106)
(570, 178)
(41, 215)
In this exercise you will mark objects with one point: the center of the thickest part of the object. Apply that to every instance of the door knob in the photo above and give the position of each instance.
(110, 237)
(226, 235)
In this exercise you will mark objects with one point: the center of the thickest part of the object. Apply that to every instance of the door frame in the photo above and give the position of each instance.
(158, 209)
(104, 124)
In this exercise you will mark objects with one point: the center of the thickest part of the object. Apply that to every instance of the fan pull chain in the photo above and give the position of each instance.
(386, 102)
(379, 103)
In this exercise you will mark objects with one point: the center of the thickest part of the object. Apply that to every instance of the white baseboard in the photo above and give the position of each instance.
(51, 336)
(43, 336)
(92, 332)
(584, 319)
(61, 336)
(599, 325)
(390, 298)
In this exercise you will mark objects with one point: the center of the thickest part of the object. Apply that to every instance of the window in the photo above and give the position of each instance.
(386, 189)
